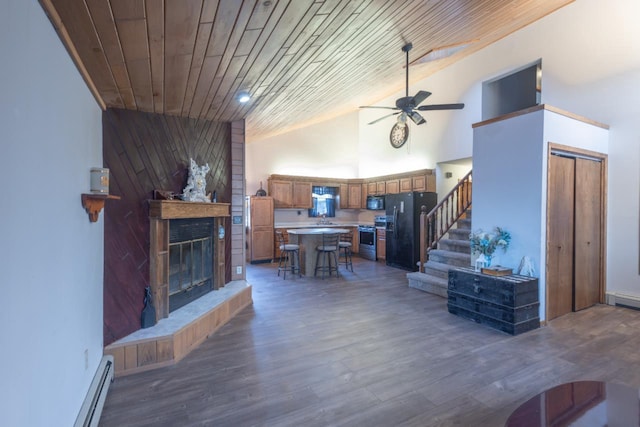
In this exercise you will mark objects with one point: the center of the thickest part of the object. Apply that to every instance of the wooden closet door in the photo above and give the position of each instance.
(588, 212)
(561, 200)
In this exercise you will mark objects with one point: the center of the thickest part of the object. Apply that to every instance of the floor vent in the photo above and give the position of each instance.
(92, 407)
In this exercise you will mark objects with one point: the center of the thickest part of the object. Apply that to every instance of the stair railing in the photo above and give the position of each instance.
(435, 224)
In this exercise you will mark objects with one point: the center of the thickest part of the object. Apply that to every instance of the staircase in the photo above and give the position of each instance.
(453, 251)
(444, 240)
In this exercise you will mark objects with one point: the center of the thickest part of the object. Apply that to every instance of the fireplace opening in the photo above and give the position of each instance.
(191, 260)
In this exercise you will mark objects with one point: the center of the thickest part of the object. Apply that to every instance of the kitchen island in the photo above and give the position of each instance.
(309, 239)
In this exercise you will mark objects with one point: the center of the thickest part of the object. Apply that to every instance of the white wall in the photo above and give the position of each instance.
(328, 149)
(458, 170)
(51, 256)
(507, 187)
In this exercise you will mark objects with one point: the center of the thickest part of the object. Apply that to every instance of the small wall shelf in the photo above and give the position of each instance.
(93, 204)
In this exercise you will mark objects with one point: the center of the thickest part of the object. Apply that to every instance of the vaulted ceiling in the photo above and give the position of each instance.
(302, 61)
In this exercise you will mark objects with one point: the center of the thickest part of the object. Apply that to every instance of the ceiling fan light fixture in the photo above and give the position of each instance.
(243, 97)
(402, 119)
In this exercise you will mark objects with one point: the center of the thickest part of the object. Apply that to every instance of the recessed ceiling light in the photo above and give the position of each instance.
(243, 97)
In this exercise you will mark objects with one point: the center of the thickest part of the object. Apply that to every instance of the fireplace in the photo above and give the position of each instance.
(191, 260)
(186, 252)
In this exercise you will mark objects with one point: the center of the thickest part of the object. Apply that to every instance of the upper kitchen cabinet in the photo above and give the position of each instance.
(392, 186)
(302, 195)
(350, 196)
(372, 188)
(290, 194)
(282, 193)
(291, 191)
(424, 183)
(406, 185)
(355, 196)
(343, 200)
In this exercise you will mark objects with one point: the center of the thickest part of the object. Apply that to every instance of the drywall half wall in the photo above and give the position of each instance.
(51, 256)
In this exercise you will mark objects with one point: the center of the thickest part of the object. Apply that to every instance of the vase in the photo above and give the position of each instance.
(481, 262)
(488, 260)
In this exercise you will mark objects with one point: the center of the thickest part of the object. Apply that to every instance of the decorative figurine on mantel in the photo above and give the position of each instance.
(195, 189)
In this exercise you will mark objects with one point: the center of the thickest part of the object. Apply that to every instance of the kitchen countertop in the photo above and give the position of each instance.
(316, 225)
(318, 230)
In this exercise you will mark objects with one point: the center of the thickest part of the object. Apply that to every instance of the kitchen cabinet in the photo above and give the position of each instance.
(381, 243)
(406, 185)
(290, 194)
(282, 193)
(350, 196)
(381, 187)
(302, 195)
(261, 226)
(372, 188)
(343, 199)
(355, 244)
(419, 183)
(392, 186)
(355, 196)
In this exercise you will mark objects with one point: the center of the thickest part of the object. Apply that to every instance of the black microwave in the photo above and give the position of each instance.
(375, 202)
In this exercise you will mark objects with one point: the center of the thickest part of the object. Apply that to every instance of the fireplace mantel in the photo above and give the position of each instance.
(161, 212)
(174, 209)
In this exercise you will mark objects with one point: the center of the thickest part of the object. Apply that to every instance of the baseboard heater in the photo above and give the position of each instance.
(629, 301)
(91, 409)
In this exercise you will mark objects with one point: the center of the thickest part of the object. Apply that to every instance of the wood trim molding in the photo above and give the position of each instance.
(174, 209)
(538, 108)
(337, 181)
(60, 28)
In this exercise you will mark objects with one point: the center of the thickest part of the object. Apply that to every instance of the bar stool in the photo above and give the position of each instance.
(324, 252)
(345, 244)
(289, 256)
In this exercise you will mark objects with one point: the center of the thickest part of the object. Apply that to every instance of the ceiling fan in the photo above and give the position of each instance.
(408, 107)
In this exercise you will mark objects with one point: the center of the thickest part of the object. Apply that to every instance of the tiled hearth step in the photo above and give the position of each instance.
(174, 337)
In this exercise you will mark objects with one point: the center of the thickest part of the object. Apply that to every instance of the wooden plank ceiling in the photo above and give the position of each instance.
(302, 61)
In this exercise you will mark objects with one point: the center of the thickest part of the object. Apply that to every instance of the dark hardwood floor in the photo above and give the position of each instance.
(367, 350)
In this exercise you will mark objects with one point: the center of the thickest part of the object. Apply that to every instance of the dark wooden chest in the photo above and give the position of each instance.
(507, 303)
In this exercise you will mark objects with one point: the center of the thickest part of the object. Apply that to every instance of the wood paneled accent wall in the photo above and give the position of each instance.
(144, 152)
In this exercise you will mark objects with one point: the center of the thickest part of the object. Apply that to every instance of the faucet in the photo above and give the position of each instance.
(323, 220)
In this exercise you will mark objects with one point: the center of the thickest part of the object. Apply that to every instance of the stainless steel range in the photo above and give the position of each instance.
(367, 234)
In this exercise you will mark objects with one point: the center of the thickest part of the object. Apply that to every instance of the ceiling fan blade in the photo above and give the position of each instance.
(377, 106)
(420, 96)
(383, 117)
(416, 117)
(441, 107)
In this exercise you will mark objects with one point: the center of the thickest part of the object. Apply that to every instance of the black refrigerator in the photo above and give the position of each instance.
(403, 227)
